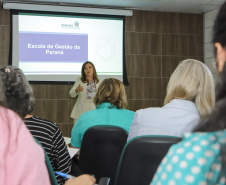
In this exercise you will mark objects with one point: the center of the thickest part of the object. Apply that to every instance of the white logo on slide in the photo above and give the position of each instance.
(76, 23)
(105, 48)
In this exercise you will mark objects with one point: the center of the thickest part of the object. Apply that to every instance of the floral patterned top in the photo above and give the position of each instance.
(198, 159)
(91, 90)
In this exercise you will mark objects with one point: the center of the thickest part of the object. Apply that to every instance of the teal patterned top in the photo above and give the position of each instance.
(197, 159)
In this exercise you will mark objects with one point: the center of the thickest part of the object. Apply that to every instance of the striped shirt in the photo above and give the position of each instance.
(49, 135)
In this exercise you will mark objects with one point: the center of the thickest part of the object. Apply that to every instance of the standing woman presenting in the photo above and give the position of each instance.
(85, 87)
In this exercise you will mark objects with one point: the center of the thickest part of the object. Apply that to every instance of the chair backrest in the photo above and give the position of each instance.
(141, 157)
(101, 150)
(52, 176)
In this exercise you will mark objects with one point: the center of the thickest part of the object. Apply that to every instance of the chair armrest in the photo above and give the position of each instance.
(104, 181)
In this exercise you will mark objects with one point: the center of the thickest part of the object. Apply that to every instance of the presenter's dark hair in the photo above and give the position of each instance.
(83, 77)
(112, 91)
(217, 120)
(18, 92)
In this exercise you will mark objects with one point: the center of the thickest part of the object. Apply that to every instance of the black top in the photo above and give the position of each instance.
(51, 138)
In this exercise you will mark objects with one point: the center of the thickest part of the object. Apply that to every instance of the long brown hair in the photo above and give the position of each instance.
(83, 77)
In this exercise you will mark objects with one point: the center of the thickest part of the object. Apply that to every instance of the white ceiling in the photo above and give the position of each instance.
(184, 6)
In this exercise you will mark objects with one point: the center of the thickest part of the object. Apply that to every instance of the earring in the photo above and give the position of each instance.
(214, 64)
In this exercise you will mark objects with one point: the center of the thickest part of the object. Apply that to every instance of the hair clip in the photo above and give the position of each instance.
(7, 70)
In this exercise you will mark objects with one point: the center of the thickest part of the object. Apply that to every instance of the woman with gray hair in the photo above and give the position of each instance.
(19, 98)
(16, 141)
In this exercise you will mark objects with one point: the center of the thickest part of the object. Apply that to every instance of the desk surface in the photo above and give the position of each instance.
(72, 151)
(67, 140)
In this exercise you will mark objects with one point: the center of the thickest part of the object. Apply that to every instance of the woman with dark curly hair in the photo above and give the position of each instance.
(20, 154)
(19, 98)
(200, 158)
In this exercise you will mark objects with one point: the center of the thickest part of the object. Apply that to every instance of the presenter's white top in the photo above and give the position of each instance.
(82, 104)
(173, 119)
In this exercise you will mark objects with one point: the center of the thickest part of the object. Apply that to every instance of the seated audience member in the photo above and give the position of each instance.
(22, 159)
(200, 158)
(190, 95)
(110, 101)
(19, 97)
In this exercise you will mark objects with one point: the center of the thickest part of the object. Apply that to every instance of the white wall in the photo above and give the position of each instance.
(208, 45)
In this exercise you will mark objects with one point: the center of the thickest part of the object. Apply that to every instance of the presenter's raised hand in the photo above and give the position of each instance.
(79, 89)
(81, 180)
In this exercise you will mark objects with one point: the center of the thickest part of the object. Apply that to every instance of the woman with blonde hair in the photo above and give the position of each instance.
(190, 96)
(110, 101)
(192, 81)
